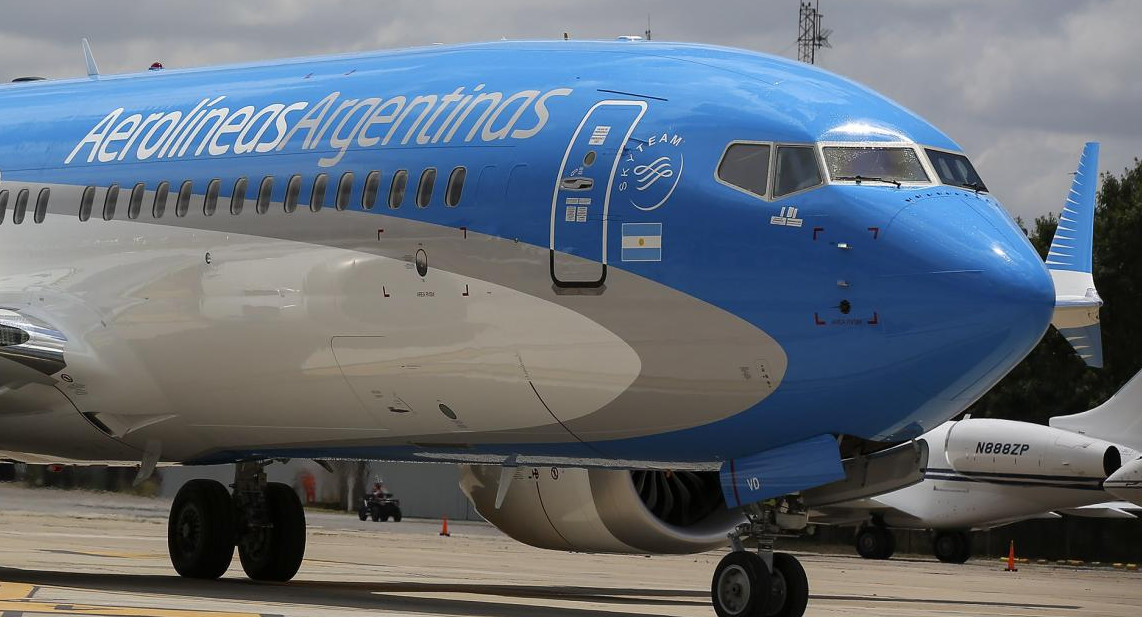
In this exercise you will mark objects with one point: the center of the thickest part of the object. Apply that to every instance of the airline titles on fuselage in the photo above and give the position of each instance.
(331, 125)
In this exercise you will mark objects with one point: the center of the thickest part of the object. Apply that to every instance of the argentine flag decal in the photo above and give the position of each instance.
(642, 242)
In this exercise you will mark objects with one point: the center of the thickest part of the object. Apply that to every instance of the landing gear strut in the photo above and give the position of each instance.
(264, 520)
(765, 583)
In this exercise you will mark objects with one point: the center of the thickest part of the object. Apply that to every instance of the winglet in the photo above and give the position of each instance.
(1070, 262)
(92, 69)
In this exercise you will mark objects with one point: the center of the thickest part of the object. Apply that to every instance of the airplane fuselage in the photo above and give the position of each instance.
(589, 288)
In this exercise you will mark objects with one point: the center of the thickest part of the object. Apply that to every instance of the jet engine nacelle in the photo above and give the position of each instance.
(984, 446)
(1126, 483)
(604, 511)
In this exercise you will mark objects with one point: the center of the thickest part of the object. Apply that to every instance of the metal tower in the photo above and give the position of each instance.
(810, 36)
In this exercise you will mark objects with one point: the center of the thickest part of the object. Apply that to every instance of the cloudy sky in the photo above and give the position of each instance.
(1020, 84)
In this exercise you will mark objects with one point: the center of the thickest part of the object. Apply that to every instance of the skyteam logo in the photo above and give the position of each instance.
(650, 171)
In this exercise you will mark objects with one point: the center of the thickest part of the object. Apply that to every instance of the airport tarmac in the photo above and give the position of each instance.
(71, 553)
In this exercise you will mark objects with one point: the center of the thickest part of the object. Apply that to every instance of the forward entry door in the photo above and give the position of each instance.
(581, 203)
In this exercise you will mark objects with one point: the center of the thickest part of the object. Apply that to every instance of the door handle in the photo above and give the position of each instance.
(577, 183)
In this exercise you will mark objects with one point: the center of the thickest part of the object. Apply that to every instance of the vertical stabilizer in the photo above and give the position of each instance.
(92, 69)
(1070, 262)
(1118, 420)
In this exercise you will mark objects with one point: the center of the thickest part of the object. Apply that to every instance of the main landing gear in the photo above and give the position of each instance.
(952, 546)
(875, 541)
(264, 520)
(765, 583)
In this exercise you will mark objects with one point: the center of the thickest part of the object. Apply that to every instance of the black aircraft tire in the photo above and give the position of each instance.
(200, 530)
(275, 554)
(875, 542)
(952, 546)
(741, 586)
(889, 547)
(790, 595)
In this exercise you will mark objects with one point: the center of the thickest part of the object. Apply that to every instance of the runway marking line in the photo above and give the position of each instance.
(112, 554)
(16, 599)
(15, 591)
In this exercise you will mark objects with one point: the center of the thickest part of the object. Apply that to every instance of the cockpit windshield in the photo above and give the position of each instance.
(893, 165)
(955, 170)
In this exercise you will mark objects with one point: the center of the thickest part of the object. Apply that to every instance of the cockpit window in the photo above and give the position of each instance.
(746, 166)
(955, 170)
(797, 170)
(874, 164)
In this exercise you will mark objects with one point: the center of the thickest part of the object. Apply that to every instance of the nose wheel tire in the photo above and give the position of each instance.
(789, 591)
(275, 552)
(952, 546)
(200, 530)
(875, 542)
(741, 585)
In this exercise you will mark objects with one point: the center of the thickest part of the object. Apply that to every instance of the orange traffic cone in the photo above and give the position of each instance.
(1011, 559)
(444, 530)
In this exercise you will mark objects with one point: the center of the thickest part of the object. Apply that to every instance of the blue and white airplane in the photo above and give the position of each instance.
(702, 277)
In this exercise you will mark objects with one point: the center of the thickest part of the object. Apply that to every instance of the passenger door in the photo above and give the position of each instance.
(581, 201)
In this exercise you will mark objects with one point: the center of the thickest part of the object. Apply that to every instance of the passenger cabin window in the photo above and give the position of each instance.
(455, 187)
(874, 164)
(110, 201)
(85, 202)
(955, 170)
(424, 191)
(398, 188)
(293, 189)
(344, 190)
(746, 166)
(136, 204)
(372, 187)
(265, 190)
(41, 211)
(21, 206)
(317, 200)
(182, 203)
(162, 195)
(3, 204)
(797, 170)
(241, 185)
(210, 203)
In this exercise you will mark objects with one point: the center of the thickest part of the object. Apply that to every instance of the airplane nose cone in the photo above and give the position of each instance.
(968, 288)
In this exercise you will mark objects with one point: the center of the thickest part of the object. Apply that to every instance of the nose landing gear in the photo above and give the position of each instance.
(761, 584)
(264, 520)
